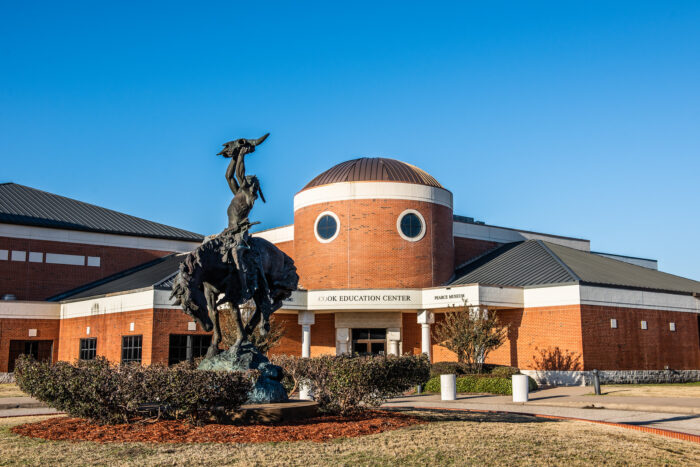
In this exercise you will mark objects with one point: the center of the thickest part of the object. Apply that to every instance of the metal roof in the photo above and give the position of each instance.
(157, 273)
(374, 169)
(596, 269)
(535, 262)
(23, 205)
(515, 264)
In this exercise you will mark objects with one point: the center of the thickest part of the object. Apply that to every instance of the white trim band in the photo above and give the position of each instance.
(346, 191)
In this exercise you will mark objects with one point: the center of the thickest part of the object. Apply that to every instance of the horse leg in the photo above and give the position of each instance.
(240, 328)
(213, 349)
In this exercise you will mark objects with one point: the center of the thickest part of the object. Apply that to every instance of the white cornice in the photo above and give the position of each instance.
(93, 238)
(277, 235)
(14, 309)
(372, 190)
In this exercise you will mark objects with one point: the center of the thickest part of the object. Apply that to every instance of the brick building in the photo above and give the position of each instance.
(381, 257)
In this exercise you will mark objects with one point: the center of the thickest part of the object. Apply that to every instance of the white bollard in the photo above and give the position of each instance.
(448, 387)
(305, 392)
(520, 388)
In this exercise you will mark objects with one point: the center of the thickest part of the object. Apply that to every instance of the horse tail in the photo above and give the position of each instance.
(188, 291)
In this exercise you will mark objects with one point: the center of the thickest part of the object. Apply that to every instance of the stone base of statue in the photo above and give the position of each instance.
(244, 357)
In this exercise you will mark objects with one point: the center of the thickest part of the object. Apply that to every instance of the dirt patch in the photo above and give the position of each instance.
(316, 429)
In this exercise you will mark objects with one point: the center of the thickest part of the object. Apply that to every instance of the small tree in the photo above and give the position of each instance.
(471, 332)
(229, 333)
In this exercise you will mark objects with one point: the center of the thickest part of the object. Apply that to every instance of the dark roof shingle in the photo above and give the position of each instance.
(23, 205)
(157, 273)
(535, 262)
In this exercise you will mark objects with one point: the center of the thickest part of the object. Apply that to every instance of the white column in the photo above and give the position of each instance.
(342, 341)
(306, 319)
(393, 335)
(425, 319)
(305, 340)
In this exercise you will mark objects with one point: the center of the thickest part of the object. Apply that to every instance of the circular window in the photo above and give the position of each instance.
(411, 225)
(326, 227)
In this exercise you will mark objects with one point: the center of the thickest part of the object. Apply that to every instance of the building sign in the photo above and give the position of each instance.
(394, 299)
(353, 298)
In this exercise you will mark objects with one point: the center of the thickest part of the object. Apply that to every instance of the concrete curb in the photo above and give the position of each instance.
(617, 406)
(645, 429)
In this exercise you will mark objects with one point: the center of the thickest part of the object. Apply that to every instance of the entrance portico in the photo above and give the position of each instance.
(384, 321)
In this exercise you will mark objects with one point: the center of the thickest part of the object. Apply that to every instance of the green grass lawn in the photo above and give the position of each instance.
(652, 390)
(452, 439)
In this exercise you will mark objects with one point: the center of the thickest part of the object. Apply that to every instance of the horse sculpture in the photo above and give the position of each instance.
(205, 275)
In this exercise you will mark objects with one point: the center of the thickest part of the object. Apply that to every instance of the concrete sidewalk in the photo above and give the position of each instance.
(674, 414)
(23, 406)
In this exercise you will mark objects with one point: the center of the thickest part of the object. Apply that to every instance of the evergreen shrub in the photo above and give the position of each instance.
(107, 393)
(348, 384)
(480, 384)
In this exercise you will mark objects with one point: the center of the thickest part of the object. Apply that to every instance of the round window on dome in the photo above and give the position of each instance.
(411, 225)
(326, 227)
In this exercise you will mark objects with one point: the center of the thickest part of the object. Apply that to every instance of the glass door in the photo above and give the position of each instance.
(369, 341)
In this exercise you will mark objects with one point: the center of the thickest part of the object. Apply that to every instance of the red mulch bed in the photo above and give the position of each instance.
(319, 429)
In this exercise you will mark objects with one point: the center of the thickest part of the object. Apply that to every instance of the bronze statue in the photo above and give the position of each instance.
(233, 268)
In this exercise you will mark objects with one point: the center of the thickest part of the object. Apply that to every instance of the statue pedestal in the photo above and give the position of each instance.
(268, 388)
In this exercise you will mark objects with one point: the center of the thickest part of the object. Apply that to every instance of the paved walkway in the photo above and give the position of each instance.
(23, 406)
(674, 414)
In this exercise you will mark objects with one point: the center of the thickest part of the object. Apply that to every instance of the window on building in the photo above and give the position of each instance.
(326, 226)
(187, 347)
(88, 348)
(369, 341)
(613, 323)
(672, 326)
(411, 225)
(131, 349)
(644, 325)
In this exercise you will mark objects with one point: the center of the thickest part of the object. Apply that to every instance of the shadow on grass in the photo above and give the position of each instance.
(446, 415)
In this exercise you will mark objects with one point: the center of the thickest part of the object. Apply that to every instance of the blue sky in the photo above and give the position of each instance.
(572, 118)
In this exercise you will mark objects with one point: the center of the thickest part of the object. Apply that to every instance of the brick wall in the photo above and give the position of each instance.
(287, 248)
(529, 330)
(165, 323)
(290, 344)
(108, 329)
(18, 329)
(468, 248)
(410, 334)
(629, 347)
(38, 281)
(369, 252)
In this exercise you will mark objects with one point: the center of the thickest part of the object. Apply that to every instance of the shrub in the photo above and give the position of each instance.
(346, 384)
(448, 368)
(106, 393)
(504, 371)
(480, 384)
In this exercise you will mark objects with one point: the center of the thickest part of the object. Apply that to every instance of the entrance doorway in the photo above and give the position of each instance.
(40, 350)
(369, 341)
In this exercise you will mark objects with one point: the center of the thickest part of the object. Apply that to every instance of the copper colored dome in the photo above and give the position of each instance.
(366, 169)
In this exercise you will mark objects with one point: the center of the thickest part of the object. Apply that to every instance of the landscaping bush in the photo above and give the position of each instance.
(346, 384)
(106, 393)
(504, 371)
(448, 368)
(480, 384)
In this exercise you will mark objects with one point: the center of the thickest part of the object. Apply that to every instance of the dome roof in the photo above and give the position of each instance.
(367, 169)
